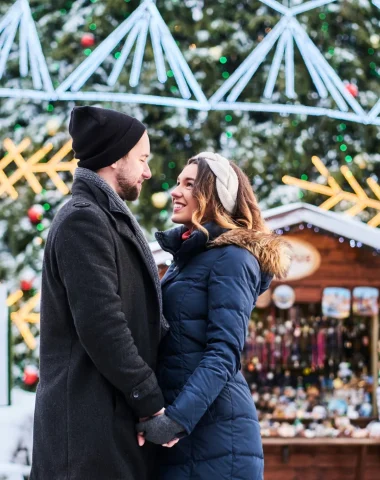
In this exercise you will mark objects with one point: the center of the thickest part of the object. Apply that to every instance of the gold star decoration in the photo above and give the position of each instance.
(358, 197)
(25, 316)
(29, 168)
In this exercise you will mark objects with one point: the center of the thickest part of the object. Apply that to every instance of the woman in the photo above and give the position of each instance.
(224, 258)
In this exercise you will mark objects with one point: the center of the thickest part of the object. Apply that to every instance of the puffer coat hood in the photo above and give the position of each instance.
(271, 251)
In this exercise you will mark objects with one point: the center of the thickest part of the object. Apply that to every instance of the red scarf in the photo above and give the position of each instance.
(186, 235)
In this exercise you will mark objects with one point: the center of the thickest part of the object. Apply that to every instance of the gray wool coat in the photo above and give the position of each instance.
(100, 330)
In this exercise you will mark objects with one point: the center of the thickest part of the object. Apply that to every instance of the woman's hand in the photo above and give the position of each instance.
(140, 436)
(160, 430)
(171, 443)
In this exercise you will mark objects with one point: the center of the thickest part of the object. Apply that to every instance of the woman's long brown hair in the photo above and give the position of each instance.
(245, 225)
(247, 213)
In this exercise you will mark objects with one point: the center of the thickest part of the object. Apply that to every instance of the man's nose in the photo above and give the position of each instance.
(147, 174)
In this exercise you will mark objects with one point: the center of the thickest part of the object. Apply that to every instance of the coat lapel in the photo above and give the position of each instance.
(117, 218)
(122, 226)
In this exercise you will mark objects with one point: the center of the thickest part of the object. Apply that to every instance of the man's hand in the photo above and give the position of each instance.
(140, 436)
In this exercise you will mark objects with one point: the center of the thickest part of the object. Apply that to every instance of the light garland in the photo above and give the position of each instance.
(28, 169)
(146, 20)
(359, 198)
(25, 316)
(19, 17)
(287, 32)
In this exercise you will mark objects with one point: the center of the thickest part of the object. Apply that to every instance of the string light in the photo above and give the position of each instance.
(25, 315)
(334, 191)
(352, 242)
(146, 19)
(29, 168)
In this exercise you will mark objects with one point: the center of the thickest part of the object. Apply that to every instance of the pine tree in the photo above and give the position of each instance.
(215, 36)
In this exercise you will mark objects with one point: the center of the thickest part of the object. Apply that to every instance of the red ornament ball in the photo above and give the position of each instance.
(352, 89)
(26, 285)
(88, 40)
(31, 375)
(35, 213)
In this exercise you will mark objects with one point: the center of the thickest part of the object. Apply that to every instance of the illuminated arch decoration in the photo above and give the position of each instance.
(146, 21)
(32, 62)
(375, 112)
(287, 33)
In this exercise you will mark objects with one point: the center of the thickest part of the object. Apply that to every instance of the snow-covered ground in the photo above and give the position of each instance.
(16, 427)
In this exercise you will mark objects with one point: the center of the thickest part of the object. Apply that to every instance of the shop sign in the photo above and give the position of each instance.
(336, 302)
(284, 297)
(305, 259)
(365, 301)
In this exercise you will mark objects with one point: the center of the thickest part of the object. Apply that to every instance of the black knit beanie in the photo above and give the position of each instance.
(101, 136)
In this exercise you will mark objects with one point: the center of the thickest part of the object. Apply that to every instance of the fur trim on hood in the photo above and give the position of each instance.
(272, 251)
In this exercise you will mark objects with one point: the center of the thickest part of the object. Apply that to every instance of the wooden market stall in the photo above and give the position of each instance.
(332, 253)
(330, 250)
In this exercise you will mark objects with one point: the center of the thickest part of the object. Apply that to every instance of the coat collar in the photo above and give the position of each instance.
(117, 216)
(82, 187)
(272, 251)
(182, 250)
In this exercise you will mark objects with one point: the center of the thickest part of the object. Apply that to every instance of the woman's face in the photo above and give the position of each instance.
(184, 204)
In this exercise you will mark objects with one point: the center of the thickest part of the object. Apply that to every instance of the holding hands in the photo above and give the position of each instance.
(158, 429)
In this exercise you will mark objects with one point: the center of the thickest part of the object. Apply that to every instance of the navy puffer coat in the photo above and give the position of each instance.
(209, 294)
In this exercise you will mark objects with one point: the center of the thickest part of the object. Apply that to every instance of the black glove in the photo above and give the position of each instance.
(160, 429)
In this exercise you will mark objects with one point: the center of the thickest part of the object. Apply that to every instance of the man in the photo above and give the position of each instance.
(101, 318)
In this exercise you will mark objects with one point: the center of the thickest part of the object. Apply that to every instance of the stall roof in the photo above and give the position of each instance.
(296, 213)
(338, 223)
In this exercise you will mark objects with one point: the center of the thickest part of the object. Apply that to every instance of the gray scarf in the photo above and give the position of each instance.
(118, 204)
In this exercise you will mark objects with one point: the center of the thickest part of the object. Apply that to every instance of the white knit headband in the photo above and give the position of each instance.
(227, 182)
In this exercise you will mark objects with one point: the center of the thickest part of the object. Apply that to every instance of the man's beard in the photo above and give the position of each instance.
(127, 191)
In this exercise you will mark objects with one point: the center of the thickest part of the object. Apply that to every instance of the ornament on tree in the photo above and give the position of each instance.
(26, 285)
(375, 39)
(159, 199)
(52, 126)
(88, 40)
(35, 213)
(31, 375)
(360, 160)
(352, 89)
